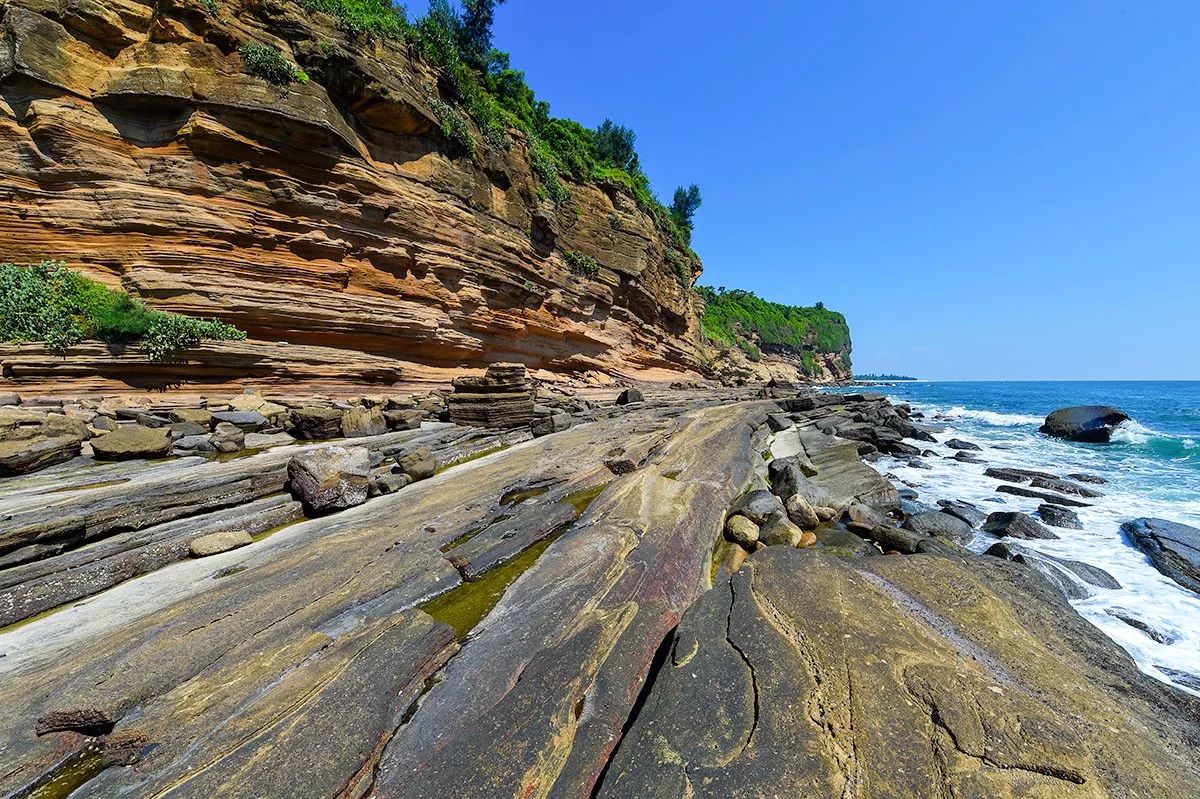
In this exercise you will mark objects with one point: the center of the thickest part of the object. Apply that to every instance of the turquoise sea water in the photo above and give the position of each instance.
(1153, 468)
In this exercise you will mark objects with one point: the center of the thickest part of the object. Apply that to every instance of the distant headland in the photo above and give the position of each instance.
(884, 377)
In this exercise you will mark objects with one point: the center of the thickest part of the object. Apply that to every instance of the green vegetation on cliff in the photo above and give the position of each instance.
(480, 78)
(48, 302)
(742, 319)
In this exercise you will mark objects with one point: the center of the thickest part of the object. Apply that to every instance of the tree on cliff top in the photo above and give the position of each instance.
(614, 144)
(684, 206)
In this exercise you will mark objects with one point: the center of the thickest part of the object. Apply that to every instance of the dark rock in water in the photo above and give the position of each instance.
(1045, 496)
(1057, 516)
(893, 539)
(330, 479)
(1088, 423)
(1066, 487)
(132, 442)
(1173, 548)
(1132, 620)
(1072, 578)
(778, 422)
(1185, 678)
(1044, 701)
(906, 493)
(1015, 525)
(917, 463)
(958, 443)
(630, 395)
(963, 511)
(757, 506)
(33, 454)
(938, 523)
(1088, 478)
(901, 449)
(1010, 475)
(967, 457)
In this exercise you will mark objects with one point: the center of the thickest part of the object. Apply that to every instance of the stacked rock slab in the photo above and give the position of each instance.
(501, 398)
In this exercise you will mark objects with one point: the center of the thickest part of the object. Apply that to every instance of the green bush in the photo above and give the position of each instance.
(730, 315)
(377, 17)
(582, 265)
(454, 126)
(48, 302)
(266, 62)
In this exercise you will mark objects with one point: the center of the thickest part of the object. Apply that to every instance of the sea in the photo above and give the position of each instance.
(1153, 469)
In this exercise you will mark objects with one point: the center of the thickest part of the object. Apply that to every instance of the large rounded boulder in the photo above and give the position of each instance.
(1090, 423)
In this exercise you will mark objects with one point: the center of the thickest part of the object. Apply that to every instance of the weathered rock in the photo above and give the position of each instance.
(1138, 623)
(23, 456)
(388, 483)
(329, 479)
(1173, 548)
(315, 423)
(501, 542)
(741, 530)
(547, 425)
(861, 518)
(964, 511)
(959, 444)
(629, 396)
(825, 513)
(1065, 487)
(757, 506)
(403, 419)
(419, 464)
(942, 524)
(967, 457)
(1074, 579)
(131, 442)
(1088, 478)
(968, 661)
(1089, 423)
(200, 416)
(620, 466)
(359, 421)
(801, 512)
(1014, 524)
(501, 398)
(9, 399)
(1057, 516)
(778, 422)
(1010, 475)
(778, 530)
(1045, 496)
(228, 437)
(247, 421)
(216, 543)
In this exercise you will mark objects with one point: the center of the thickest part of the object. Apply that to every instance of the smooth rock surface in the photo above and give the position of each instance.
(1173, 548)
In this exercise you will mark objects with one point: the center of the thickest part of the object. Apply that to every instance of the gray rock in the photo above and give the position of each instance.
(132, 442)
(249, 421)
(7, 400)
(420, 464)
(194, 444)
(216, 543)
(331, 478)
(228, 437)
(630, 395)
(861, 518)
(1057, 516)
(403, 419)
(1173, 548)
(1088, 478)
(1130, 618)
(778, 530)
(1015, 525)
(547, 425)
(757, 506)
(1088, 423)
(940, 524)
(967, 457)
(1072, 578)
(1065, 487)
(801, 512)
(388, 483)
(778, 422)
(958, 443)
(964, 511)
(1045, 496)
(1010, 475)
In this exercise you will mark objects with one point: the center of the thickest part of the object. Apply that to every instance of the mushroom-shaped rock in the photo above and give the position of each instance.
(1090, 423)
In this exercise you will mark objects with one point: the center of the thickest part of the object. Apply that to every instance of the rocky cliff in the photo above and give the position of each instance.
(333, 214)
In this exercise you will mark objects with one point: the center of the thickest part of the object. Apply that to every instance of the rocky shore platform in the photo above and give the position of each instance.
(690, 592)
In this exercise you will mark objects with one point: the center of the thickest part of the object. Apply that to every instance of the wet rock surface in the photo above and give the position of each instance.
(1173, 548)
(1089, 423)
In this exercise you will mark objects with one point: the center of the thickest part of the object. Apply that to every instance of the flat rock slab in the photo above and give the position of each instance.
(504, 540)
(1045, 496)
(1173, 548)
(914, 676)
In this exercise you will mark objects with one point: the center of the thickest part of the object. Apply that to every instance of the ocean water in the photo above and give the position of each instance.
(1153, 468)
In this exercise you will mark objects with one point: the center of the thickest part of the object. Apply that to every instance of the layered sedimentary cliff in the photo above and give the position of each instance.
(330, 214)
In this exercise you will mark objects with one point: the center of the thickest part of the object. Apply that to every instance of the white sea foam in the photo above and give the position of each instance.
(1139, 486)
(1131, 432)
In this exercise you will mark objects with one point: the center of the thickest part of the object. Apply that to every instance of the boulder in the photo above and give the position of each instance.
(315, 423)
(7, 400)
(778, 530)
(967, 457)
(1138, 623)
(962, 510)
(757, 506)
(741, 530)
(501, 398)
(1173, 548)
(778, 422)
(228, 437)
(1088, 478)
(1065, 487)
(1010, 475)
(941, 524)
(200, 416)
(360, 421)
(1013, 524)
(1088, 423)
(403, 419)
(419, 464)
(388, 483)
(801, 512)
(1058, 516)
(248, 421)
(23, 456)
(1045, 496)
(861, 518)
(554, 423)
(630, 395)
(331, 478)
(192, 444)
(959, 444)
(132, 442)
(216, 543)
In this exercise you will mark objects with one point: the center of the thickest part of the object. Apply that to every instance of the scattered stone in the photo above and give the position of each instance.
(108, 424)
(778, 530)
(388, 483)
(316, 423)
(248, 421)
(24, 456)
(967, 457)
(861, 518)
(964, 511)
(1045, 496)
(958, 443)
(1173, 548)
(1015, 525)
(216, 543)
(403, 419)
(501, 398)
(1088, 423)
(359, 422)
(1088, 478)
(331, 478)
(917, 463)
(757, 506)
(620, 466)
(420, 464)
(1057, 516)
(132, 442)
(228, 437)
(742, 531)
(1010, 475)
(629, 396)
(1065, 487)
(1140, 624)
(941, 524)
(826, 513)
(801, 512)
(194, 444)
(778, 422)
(547, 425)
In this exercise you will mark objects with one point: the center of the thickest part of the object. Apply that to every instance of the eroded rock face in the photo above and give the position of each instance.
(1173, 548)
(332, 215)
(913, 676)
(331, 478)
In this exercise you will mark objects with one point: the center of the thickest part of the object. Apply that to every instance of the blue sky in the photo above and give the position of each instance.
(987, 190)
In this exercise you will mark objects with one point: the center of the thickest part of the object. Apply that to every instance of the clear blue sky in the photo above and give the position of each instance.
(987, 190)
